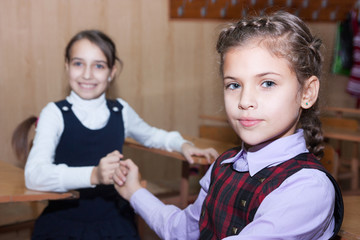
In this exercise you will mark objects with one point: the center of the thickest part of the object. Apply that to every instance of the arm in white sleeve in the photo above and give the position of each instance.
(300, 208)
(40, 171)
(152, 137)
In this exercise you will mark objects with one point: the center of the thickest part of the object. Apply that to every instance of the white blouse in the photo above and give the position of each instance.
(40, 171)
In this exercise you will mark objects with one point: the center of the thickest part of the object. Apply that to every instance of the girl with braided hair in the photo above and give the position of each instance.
(273, 186)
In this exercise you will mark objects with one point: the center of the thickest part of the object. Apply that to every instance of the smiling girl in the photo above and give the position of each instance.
(78, 145)
(273, 186)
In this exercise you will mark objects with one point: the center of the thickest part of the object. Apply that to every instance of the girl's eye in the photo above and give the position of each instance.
(99, 66)
(77, 64)
(232, 86)
(268, 84)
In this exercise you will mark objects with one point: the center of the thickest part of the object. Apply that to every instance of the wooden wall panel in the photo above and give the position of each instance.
(170, 73)
(156, 79)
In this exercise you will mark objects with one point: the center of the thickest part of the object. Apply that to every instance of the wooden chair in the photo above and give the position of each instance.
(22, 138)
(339, 122)
(19, 217)
(344, 168)
(330, 160)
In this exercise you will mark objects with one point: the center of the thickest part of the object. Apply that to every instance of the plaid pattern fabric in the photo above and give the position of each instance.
(234, 197)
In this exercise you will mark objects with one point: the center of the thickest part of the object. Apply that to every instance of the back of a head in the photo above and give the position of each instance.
(20, 141)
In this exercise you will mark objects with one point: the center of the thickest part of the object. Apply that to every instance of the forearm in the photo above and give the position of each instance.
(168, 221)
(58, 178)
(152, 137)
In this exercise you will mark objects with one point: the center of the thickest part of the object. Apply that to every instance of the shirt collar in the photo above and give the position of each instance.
(269, 154)
(77, 101)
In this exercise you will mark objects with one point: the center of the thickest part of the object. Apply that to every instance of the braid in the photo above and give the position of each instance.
(309, 119)
(310, 123)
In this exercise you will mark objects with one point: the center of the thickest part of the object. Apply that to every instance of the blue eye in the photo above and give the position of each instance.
(233, 86)
(99, 66)
(77, 64)
(268, 84)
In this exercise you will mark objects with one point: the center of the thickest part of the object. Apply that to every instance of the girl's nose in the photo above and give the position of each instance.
(247, 99)
(87, 72)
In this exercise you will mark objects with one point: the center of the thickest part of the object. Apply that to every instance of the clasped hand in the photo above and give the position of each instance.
(103, 173)
(127, 178)
(111, 170)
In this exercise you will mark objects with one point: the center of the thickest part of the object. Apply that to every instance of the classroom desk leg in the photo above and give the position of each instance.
(355, 167)
(184, 185)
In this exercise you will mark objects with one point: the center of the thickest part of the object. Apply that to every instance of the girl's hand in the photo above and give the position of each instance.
(128, 186)
(103, 173)
(189, 150)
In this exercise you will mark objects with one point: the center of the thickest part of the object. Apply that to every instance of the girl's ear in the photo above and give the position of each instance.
(113, 72)
(67, 66)
(310, 92)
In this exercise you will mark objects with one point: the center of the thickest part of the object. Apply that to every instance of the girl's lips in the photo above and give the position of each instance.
(249, 122)
(86, 85)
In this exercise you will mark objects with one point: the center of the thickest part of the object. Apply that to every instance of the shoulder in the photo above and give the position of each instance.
(307, 188)
(308, 170)
(50, 108)
(50, 113)
(62, 103)
(310, 196)
(127, 110)
(301, 161)
(122, 102)
(312, 181)
(50, 119)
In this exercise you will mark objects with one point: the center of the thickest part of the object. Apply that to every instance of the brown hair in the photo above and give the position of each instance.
(101, 40)
(288, 37)
(20, 139)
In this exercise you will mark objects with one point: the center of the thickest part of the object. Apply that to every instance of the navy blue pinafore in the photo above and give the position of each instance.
(99, 213)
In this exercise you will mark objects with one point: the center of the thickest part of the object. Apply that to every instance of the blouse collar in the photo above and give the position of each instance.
(79, 102)
(269, 154)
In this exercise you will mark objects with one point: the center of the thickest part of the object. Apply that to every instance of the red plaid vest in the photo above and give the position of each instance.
(234, 197)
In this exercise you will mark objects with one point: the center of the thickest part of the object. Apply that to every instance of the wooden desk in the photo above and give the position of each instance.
(198, 142)
(339, 111)
(350, 229)
(12, 187)
(354, 137)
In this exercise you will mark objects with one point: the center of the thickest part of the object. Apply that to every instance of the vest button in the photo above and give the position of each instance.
(261, 180)
(65, 108)
(115, 109)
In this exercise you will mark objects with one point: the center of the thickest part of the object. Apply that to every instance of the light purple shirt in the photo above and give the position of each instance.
(300, 208)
